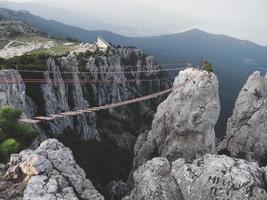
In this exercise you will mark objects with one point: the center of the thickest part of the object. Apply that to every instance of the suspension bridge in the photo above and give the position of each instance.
(52, 117)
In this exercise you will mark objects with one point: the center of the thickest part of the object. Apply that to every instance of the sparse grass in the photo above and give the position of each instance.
(62, 49)
(39, 51)
(32, 37)
(58, 50)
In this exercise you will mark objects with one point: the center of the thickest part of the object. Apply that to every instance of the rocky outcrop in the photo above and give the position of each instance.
(61, 97)
(183, 126)
(92, 80)
(12, 92)
(49, 172)
(209, 177)
(113, 86)
(154, 180)
(74, 82)
(117, 190)
(247, 127)
(220, 177)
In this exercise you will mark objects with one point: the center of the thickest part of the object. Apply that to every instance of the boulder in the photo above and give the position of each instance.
(220, 177)
(49, 172)
(154, 180)
(208, 177)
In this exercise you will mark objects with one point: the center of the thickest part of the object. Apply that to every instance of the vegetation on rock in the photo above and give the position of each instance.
(207, 66)
(13, 135)
(8, 147)
(25, 60)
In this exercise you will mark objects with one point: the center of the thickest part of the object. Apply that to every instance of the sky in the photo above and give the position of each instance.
(244, 19)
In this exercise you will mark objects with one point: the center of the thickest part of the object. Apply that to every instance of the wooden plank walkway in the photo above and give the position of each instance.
(105, 107)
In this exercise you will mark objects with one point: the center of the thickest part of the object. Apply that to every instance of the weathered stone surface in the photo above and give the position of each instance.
(61, 97)
(15, 94)
(123, 86)
(220, 177)
(51, 173)
(36, 165)
(154, 180)
(247, 127)
(208, 177)
(117, 190)
(183, 126)
(54, 96)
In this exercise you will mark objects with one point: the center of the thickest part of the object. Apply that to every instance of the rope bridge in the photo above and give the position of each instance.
(174, 67)
(63, 81)
(94, 109)
(52, 117)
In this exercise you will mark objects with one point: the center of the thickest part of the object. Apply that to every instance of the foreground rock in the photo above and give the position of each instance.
(154, 181)
(183, 126)
(220, 177)
(50, 172)
(117, 190)
(209, 177)
(247, 127)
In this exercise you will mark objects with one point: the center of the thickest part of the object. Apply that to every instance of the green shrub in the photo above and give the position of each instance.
(207, 66)
(3, 136)
(20, 135)
(25, 132)
(9, 118)
(8, 147)
(33, 59)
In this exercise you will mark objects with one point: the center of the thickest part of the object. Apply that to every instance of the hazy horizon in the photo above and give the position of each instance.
(243, 19)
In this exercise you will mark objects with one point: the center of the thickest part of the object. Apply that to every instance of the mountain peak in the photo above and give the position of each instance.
(196, 31)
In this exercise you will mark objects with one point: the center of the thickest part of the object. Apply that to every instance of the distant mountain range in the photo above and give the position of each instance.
(67, 17)
(234, 59)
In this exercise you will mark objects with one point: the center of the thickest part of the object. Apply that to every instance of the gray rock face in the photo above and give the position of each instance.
(208, 177)
(117, 190)
(50, 173)
(220, 177)
(123, 86)
(15, 94)
(154, 180)
(247, 127)
(183, 126)
(111, 85)
(61, 97)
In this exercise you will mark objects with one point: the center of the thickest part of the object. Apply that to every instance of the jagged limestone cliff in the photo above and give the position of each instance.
(88, 89)
(14, 94)
(209, 176)
(183, 126)
(104, 139)
(247, 127)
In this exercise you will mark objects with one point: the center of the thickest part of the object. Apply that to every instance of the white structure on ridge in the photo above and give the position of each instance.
(102, 44)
